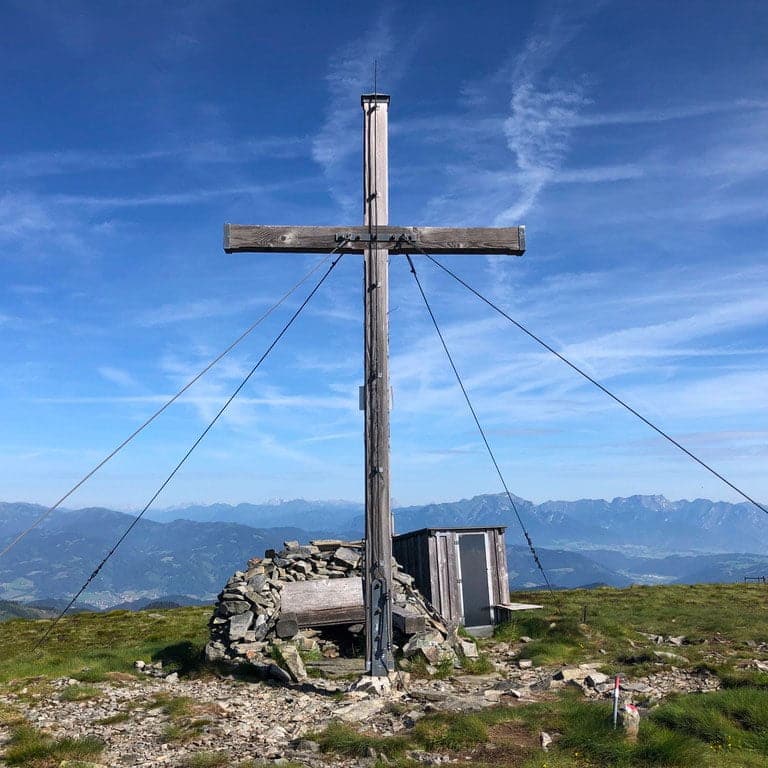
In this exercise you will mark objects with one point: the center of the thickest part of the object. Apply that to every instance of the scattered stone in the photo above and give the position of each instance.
(468, 649)
(431, 645)
(593, 679)
(525, 664)
(361, 710)
(293, 663)
(347, 556)
(274, 672)
(545, 740)
(276, 733)
(630, 721)
(379, 686)
(139, 664)
(306, 745)
(525, 639)
(248, 616)
(172, 678)
(667, 656)
(569, 674)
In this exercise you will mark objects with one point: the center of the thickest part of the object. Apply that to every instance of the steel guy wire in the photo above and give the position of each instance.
(168, 403)
(479, 427)
(197, 442)
(600, 386)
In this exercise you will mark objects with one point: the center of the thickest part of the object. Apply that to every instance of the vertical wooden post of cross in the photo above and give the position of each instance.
(378, 525)
(375, 239)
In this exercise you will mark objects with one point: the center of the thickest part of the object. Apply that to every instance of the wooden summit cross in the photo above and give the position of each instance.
(375, 239)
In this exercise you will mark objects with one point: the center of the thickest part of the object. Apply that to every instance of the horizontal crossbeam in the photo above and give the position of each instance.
(246, 238)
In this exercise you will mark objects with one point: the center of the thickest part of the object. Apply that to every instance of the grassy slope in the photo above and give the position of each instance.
(88, 645)
(725, 622)
(698, 611)
(13, 610)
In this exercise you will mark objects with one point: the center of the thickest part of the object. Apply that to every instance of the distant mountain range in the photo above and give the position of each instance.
(273, 514)
(187, 553)
(157, 559)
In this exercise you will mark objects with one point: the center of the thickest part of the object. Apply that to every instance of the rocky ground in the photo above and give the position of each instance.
(149, 720)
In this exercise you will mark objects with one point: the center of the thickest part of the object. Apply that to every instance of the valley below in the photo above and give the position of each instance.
(184, 555)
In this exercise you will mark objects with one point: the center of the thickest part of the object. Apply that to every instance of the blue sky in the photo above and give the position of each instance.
(630, 138)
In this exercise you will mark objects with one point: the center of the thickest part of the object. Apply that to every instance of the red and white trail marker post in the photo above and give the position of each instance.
(376, 240)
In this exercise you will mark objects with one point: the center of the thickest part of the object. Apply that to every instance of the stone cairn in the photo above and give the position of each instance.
(245, 626)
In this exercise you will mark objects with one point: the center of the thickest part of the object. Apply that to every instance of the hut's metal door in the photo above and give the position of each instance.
(474, 580)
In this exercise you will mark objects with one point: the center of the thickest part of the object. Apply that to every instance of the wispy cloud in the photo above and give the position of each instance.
(714, 319)
(539, 127)
(665, 114)
(27, 220)
(75, 161)
(168, 198)
(118, 376)
(350, 73)
(195, 310)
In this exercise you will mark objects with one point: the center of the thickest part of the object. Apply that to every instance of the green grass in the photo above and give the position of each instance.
(187, 718)
(438, 732)
(118, 717)
(9, 715)
(206, 760)
(30, 748)
(344, 740)
(419, 668)
(557, 639)
(482, 665)
(699, 611)
(724, 729)
(79, 693)
(173, 706)
(728, 719)
(88, 646)
(184, 730)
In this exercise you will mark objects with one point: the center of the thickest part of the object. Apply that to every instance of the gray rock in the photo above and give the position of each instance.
(431, 645)
(306, 745)
(274, 672)
(569, 674)
(258, 582)
(292, 663)
(239, 625)
(232, 607)
(276, 734)
(347, 556)
(667, 656)
(215, 651)
(635, 687)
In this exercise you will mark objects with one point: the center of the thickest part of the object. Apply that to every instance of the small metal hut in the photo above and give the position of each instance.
(461, 571)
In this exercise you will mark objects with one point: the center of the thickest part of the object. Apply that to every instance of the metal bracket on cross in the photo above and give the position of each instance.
(382, 236)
